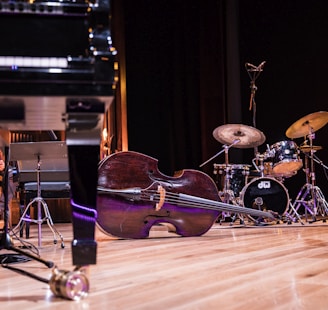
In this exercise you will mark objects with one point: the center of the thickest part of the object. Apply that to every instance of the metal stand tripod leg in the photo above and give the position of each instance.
(302, 201)
(291, 216)
(41, 204)
(321, 203)
(310, 196)
(314, 206)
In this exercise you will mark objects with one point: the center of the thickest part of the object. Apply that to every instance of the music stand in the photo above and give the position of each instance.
(48, 153)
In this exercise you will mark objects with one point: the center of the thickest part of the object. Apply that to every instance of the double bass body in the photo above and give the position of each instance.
(133, 195)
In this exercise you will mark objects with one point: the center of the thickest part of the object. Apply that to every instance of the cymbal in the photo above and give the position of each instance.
(308, 148)
(307, 124)
(231, 133)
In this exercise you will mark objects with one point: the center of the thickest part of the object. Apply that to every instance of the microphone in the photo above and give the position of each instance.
(235, 141)
(258, 202)
(247, 64)
(261, 65)
(254, 68)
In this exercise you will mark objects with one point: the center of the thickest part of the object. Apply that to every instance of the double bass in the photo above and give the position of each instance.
(133, 195)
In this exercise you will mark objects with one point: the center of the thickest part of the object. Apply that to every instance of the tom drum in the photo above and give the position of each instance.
(286, 161)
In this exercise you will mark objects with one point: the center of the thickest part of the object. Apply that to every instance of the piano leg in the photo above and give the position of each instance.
(83, 162)
(83, 136)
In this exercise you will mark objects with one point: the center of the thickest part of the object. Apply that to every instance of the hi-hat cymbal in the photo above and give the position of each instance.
(230, 133)
(308, 148)
(307, 124)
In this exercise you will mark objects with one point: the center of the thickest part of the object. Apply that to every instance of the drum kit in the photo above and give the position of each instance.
(263, 187)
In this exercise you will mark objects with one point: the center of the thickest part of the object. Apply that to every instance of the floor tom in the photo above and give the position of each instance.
(231, 177)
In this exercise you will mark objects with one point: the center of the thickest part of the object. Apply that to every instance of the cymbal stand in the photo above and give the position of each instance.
(226, 186)
(225, 149)
(40, 202)
(226, 194)
(260, 168)
(310, 196)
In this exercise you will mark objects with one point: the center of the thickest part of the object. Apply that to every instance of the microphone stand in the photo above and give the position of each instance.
(254, 72)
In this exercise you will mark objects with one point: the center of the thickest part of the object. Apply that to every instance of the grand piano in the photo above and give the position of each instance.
(57, 74)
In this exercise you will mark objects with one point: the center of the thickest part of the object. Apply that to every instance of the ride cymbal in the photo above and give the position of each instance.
(307, 124)
(230, 133)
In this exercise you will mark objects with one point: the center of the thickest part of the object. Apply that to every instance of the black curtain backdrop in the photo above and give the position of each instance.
(175, 61)
(186, 76)
(291, 36)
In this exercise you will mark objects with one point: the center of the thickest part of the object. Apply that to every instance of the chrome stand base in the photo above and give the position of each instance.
(41, 204)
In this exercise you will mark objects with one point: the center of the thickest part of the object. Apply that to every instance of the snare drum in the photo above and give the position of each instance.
(286, 161)
(232, 175)
(265, 194)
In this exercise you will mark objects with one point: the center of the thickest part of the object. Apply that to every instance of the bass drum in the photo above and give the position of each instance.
(266, 194)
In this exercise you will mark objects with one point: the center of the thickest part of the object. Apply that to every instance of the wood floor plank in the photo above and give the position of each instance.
(231, 267)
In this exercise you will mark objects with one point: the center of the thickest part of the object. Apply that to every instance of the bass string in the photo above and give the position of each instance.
(190, 201)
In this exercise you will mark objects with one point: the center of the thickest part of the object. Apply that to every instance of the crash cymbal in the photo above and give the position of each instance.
(307, 124)
(230, 133)
(308, 148)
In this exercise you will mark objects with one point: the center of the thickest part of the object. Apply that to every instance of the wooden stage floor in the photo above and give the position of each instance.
(277, 266)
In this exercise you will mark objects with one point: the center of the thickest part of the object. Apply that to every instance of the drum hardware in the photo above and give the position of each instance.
(225, 150)
(260, 158)
(310, 196)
